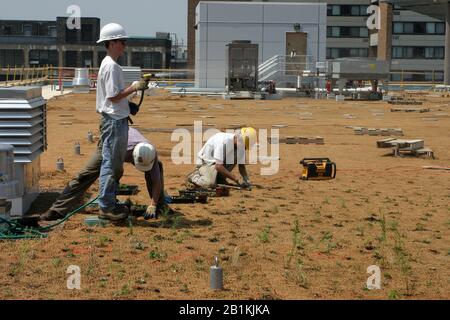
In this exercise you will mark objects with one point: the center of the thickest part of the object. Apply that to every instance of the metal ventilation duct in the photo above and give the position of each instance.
(23, 124)
(81, 83)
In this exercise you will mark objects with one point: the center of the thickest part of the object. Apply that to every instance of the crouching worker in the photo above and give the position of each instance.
(141, 153)
(219, 156)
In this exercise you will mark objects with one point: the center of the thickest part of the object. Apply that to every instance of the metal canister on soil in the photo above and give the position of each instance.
(60, 164)
(216, 275)
(90, 137)
(77, 148)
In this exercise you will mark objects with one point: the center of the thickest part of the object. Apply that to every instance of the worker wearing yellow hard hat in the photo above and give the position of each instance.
(220, 155)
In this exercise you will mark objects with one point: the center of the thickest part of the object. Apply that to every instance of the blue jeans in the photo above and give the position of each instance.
(114, 135)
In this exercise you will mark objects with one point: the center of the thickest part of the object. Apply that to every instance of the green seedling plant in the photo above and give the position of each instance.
(297, 243)
(402, 259)
(264, 237)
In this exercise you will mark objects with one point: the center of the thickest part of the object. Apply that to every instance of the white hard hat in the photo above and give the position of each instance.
(112, 31)
(144, 155)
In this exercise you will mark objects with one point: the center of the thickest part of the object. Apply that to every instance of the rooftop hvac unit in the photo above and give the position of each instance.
(131, 74)
(23, 125)
(242, 66)
(358, 69)
(9, 188)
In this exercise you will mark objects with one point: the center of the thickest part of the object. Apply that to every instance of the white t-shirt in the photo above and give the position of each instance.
(219, 149)
(110, 83)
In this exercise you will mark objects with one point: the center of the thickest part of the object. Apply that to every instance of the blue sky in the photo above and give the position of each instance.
(139, 17)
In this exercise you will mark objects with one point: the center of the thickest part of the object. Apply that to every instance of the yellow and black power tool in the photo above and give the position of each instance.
(318, 169)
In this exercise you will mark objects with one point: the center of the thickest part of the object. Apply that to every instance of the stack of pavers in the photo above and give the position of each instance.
(360, 131)
(402, 101)
(400, 147)
(296, 140)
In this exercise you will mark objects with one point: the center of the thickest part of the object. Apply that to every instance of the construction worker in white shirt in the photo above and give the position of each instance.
(219, 156)
(112, 104)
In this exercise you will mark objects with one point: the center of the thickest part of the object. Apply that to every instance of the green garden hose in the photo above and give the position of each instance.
(16, 231)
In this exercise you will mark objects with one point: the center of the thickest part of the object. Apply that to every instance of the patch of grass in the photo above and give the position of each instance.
(326, 200)
(213, 239)
(155, 254)
(139, 245)
(394, 295)
(183, 236)
(121, 274)
(56, 262)
(393, 225)
(420, 227)
(263, 236)
(19, 266)
(297, 243)
(402, 259)
(326, 239)
(301, 279)
(382, 239)
(124, 291)
(103, 241)
(275, 209)
(343, 203)
(359, 231)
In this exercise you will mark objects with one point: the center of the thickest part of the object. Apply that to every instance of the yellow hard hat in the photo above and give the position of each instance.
(250, 137)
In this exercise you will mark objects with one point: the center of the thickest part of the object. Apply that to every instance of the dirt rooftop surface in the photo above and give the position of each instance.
(291, 239)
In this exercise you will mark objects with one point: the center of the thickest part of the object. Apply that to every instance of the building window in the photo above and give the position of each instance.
(408, 28)
(398, 27)
(11, 58)
(52, 31)
(71, 59)
(334, 53)
(347, 32)
(363, 32)
(27, 30)
(418, 52)
(335, 10)
(397, 52)
(431, 28)
(87, 33)
(439, 52)
(147, 60)
(7, 30)
(418, 28)
(336, 32)
(363, 10)
(71, 35)
(43, 57)
(440, 28)
(87, 58)
(347, 10)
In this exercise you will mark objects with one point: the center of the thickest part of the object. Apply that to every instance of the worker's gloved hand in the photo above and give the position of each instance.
(134, 109)
(150, 213)
(140, 85)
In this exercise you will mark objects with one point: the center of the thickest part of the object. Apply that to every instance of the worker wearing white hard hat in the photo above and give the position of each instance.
(141, 153)
(112, 104)
(220, 155)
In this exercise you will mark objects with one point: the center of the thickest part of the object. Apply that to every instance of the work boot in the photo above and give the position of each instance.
(51, 215)
(120, 212)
